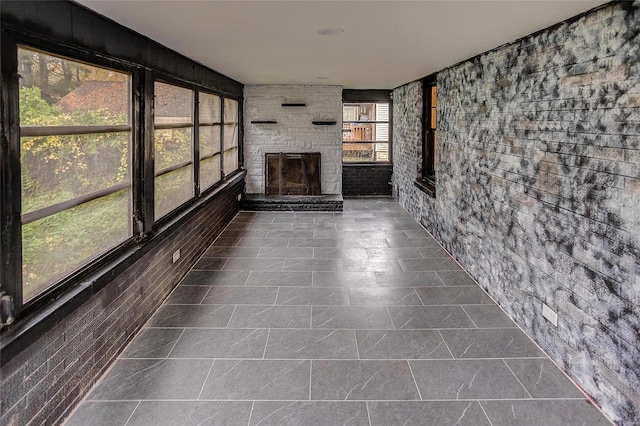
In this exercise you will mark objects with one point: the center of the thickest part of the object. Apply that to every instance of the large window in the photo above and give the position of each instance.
(429, 161)
(365, 132)
(173, 146)
(98, 153)
(209, 135)
(75, 156)
(230, 141)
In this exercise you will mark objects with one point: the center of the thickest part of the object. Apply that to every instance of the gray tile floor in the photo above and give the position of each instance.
(353, 318)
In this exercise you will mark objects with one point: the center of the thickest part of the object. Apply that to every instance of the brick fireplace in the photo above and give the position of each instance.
(293, 119)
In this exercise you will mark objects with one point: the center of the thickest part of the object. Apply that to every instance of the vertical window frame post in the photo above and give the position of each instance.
(10, 172)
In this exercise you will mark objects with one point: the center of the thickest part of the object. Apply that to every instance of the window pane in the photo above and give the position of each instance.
(172, 104)
(350, 112)
(381, 112)
(172, 147)
(230, 136)
(61, 168)
(56, 91)
(356, 152)
(434, 96)
(365, 122)
(209, 140)
(209, 108)
(357, 132)
(173, 189)
(230, 111)
(230, 161)
(209, 171)
(61, 94)
(366, 112)
(57, 245)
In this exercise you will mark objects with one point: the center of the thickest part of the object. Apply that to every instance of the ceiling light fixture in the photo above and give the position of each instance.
(324, 78)
(330, 31)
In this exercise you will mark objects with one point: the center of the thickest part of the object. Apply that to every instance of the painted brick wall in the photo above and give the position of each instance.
(538, 190)
(366, 179)
(294, 131)
(45, 382)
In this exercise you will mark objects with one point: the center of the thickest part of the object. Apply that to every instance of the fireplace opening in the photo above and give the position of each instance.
(292, 173)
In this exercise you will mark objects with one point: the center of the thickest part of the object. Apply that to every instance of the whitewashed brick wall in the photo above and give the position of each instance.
(294, 131)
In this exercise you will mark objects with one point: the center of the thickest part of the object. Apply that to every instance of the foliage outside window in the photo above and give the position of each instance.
(365, 132)
(230, 140)
(209, 135)
(173, 147)
(75, 155)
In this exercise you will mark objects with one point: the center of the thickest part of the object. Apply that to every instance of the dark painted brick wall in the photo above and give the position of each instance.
(538, 190)
(44, 382)
(366, 179)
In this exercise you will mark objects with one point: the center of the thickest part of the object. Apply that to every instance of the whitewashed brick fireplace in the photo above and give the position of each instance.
(293, 130)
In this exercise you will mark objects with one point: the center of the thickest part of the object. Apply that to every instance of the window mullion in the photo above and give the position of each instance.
(148, 157)
(222, 141)
(10, 190)
(196, 143)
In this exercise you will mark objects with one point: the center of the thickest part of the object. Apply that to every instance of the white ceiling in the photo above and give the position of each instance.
(384, 45)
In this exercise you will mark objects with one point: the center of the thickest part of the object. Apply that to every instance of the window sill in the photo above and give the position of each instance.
(26, 331)
(426, 185)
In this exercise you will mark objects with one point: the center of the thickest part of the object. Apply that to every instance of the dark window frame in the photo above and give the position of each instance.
(212, 124)
(145, 229)
(11, 217)
(223, 149)
(426, 176)
(198, 193)
(369, 97)
(193, 125)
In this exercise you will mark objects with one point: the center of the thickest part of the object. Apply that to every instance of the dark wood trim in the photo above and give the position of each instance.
(10, 181)
(294, 105)
(148, 166)
(264, 122)
(196, 144)
(367, 95)
(427, 186)
(222, 141)
(241, 133)
(428, 135)
(324, 123)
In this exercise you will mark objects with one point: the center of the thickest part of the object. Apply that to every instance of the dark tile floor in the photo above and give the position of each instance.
(353, 318)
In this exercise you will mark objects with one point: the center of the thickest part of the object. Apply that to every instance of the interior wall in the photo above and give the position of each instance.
(366, 179)
(293, 130)
(538, 190)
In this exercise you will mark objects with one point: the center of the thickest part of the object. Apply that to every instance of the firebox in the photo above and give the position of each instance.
(292, 173)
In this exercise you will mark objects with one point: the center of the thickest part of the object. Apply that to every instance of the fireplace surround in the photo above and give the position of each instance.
(295, 173)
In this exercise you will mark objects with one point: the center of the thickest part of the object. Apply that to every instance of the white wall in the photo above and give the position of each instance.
(294, 131)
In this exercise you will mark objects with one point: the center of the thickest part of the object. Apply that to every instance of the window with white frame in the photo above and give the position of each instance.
(365, 132)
